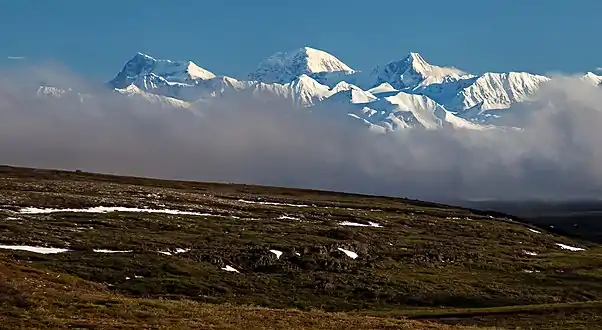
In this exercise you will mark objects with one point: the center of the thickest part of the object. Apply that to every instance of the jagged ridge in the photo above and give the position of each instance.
(404, 93)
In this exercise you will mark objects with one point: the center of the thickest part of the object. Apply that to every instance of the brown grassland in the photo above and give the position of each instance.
(426, 266)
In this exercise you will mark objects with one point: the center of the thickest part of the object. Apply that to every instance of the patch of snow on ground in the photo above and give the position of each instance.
(111, 251)
(36, 249)
(178, 250)
(530, 253)
(106, 209)
(230, 269)
(286, 217)
(355, 224)
(535, 231)
(272, 203)
(277, 253)
(350, 254)
(568, 247)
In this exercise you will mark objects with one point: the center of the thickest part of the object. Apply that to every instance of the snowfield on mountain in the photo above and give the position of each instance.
(401, 94)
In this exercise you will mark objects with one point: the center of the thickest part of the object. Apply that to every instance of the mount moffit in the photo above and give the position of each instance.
(404, 93)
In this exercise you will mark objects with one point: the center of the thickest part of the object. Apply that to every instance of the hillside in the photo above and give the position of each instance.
(196, 246)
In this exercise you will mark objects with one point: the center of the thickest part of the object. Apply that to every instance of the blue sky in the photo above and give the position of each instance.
(230, 37)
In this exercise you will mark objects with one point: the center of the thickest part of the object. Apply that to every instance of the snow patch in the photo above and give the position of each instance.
(230, 269)
(568, 247)
(277, 253)
(530, 253)
(178, 250)
(286, 217)
(534, 231)
(272, 203)
(350, 254)
(108, 209)
(36, 249)
(111, 251)
(355, 224)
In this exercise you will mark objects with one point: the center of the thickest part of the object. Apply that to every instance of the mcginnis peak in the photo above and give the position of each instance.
(283, 67)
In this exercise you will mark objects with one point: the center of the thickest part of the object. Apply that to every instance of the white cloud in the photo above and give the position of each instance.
(15, 57)
(557, 154)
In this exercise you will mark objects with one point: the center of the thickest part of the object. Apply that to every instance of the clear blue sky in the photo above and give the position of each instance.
(231, 36)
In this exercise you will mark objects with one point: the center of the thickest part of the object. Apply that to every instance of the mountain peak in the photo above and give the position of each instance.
(142, 55)
(412, 70)
(592, 78)
(283, 67)
(321, 61)
(143, 69)
(417, 61)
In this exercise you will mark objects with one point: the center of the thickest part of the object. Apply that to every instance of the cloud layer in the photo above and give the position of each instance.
(557, 154)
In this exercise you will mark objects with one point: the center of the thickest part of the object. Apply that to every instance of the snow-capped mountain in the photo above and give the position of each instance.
(592, 78)
(413, 72)
(400, 110)
(165, 101)
(147, 72)
(61, 93)
(284, 67)
(347, 93)
(488, 91)
(400, 94)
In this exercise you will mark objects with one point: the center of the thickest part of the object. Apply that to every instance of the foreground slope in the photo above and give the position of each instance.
(285, 248)
(31, 298)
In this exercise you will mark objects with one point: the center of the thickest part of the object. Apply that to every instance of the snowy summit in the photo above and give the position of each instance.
(401, 94)
(283, 67)
(145, 71)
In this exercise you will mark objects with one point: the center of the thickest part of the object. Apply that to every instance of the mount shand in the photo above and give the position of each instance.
(404, 93)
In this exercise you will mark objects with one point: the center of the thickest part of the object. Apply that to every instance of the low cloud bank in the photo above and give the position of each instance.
(557, 153)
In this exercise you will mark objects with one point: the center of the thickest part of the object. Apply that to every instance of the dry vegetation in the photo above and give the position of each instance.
(32, 298)
(426, 262)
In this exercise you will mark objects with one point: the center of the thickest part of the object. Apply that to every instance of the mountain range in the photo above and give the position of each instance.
(404, 93)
